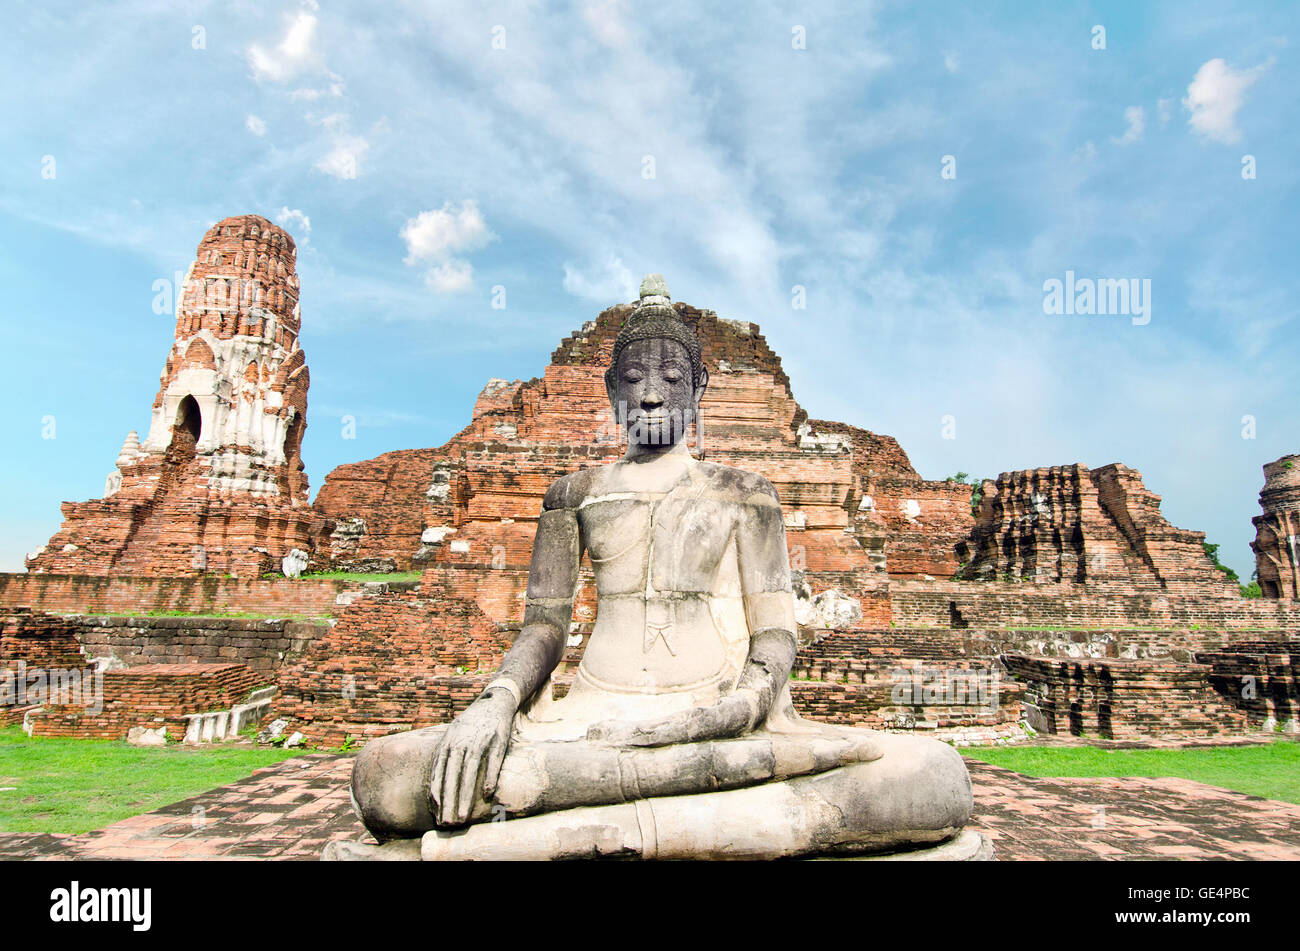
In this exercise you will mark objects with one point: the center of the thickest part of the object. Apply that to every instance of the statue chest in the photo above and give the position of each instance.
(670, 544)
(667, 582)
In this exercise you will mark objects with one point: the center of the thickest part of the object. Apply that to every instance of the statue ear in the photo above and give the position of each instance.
(701, 384)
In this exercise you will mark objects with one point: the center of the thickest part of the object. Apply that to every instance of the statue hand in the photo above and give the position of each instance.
(662, 732)
(731, 716)
(472, 748)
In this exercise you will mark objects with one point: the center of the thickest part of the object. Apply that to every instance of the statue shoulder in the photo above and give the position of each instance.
(741, 484)
(568, 492)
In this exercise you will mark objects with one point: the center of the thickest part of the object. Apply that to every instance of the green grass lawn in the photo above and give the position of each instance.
(236, 615)
(1271, 770)
(357, 576)
(71, 785)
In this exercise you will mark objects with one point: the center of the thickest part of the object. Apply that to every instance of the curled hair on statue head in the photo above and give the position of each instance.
(655, 319)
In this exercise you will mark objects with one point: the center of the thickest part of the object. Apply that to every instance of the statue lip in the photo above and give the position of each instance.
(656, 418)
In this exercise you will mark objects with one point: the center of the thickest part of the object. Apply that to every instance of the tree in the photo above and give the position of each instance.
(1213, 552)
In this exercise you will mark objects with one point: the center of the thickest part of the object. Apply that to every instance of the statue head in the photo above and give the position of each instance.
(656, 378)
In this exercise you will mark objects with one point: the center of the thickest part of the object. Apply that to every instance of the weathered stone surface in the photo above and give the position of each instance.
(218, 483)
(916, 793)
(143, 736)
(1277, 530)
(262, 645)
(294, 563)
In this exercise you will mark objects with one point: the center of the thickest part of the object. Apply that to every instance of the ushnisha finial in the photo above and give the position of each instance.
(654, 301)
(653, 285)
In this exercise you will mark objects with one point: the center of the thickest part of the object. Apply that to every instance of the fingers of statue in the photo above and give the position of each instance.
(613, 732)
(450, 786)
(862, 750)
(439, 771)
(468, 760)
(496, 754)
(469, 778)
(662, 732)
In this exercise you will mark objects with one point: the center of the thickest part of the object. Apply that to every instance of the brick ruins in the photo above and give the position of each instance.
(218, 484)
(469, 508)
(1277, 531)
(1073, 524)
(1063, 596)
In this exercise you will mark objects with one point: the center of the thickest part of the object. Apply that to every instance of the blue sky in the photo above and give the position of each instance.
(419, 165)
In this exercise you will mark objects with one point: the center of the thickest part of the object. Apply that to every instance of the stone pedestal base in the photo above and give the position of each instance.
(966, 846)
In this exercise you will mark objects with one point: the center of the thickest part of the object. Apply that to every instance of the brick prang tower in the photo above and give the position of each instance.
(218, 483)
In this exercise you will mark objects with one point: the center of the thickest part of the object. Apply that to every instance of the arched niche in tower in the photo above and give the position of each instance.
(187, 430)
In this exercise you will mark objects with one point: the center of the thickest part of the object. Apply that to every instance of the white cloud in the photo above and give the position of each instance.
(1084, 153)
(1136, 117)
(1215, 95)
(296, 52)
(333, 88)
(344, 160)
(295, 220)
(606, 21)
(450, 276)
(435, 237)
(255, 125)
(951, 61)
(608, 283)
(1165, 107)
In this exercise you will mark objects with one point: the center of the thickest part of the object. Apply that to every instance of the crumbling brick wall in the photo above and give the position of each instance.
(1009, 604)
(391, 663)
(1261, 676)
(149, 696)
(1123, 699)
(96, 594)
(261, 645)
(1073, 524)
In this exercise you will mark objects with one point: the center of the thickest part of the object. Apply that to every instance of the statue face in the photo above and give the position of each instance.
(652, 392)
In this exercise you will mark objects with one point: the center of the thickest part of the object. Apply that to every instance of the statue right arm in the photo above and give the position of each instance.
(548, 610)
(474, 745)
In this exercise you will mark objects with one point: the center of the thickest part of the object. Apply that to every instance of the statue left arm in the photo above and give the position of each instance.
(769, 610)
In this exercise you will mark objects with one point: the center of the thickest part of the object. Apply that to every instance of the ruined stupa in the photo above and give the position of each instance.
(1277, 531)
(218, 482)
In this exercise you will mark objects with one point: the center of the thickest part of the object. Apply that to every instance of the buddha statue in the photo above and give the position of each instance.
(677, 738)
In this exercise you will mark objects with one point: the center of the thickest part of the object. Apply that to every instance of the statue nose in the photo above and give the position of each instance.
(652, 398)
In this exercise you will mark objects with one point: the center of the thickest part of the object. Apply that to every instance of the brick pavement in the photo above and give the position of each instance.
(290, 810)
